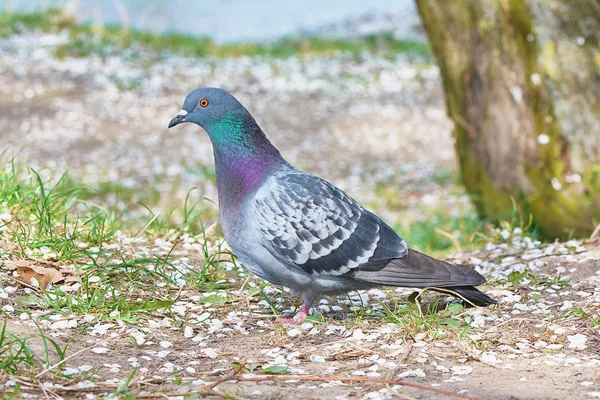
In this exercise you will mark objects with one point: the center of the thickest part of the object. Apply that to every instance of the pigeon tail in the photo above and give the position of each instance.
(470, 294)
(418, 270)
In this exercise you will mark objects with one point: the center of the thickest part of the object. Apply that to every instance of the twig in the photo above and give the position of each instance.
(20, 282)
(347, 379)
(246, 282)
(595, 233)
(146, 227)
(44, 390)
(229, 377)
(451, 237)
(202, 393)
(242, 378)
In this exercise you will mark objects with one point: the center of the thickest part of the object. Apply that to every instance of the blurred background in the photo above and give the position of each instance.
(348, 90)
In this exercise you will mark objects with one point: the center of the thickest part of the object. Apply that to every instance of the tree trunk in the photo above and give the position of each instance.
(522, 85)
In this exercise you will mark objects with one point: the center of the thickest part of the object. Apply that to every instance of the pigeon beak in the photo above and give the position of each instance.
(179, 118)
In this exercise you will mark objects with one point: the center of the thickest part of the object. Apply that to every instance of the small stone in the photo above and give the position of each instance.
(294, 332)
(210, 353)
(443, 369)
(358, 334)
(188, 332)
(306, 326)
(317, 358)
(462, 370)
(412, 372)
(489, 358)
(577, 341)
(8, 308)
(100, 350)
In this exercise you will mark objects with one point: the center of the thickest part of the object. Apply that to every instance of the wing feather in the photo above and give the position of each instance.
(309, 223)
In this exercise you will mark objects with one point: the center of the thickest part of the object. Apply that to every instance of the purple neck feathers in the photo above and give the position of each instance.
(243, 158)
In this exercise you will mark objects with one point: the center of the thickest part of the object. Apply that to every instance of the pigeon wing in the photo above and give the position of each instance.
(309, 223)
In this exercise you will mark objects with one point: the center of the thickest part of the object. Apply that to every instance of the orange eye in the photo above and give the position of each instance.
(203, 102)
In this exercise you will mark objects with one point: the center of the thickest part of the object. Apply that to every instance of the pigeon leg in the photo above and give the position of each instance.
(300, 315)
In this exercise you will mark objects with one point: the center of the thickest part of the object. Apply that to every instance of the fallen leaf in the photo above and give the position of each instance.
(12, 265)
(276, 370)
(26, 301)
(42, 275)
(214, 299)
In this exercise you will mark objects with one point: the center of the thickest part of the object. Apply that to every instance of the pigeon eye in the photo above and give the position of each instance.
(203, 103)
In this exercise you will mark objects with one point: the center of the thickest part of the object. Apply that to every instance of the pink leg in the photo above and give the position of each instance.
(300, 315)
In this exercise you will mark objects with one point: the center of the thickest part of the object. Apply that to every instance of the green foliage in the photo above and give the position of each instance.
(443, 233)
(104, 40)
(581, 313)
(432, 321)
(517, 278)
(14, 352)
(51, 218)
(43, 218)
(50, 20)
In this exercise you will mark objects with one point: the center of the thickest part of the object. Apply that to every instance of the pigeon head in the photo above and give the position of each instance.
(243, 154)
(208, 108)
(229, 125)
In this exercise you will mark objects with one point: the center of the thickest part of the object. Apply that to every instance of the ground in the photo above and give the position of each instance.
(537, 343)
(149, 305)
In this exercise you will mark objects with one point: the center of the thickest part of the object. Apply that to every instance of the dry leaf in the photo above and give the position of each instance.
(12, 265)
(42, 275)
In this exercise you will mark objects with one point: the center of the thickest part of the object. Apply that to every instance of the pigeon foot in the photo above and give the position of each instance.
(299, 317)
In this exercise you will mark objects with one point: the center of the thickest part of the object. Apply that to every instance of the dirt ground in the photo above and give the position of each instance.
(530, 346)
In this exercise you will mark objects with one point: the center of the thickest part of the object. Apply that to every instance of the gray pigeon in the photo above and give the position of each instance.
(300, 231)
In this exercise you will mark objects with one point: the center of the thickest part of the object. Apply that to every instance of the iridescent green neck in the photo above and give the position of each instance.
(243, 154)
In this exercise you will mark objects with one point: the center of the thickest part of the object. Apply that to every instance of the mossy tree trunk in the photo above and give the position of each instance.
(522, 85)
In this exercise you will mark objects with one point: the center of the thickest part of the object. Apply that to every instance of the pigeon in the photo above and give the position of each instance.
(297, 230)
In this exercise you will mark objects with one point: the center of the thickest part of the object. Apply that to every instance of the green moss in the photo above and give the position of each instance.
(89, 39)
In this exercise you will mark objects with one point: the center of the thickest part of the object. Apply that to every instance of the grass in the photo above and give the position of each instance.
(87, 39)
(439, 229)
(14, 351)
(441, 234)
(433, 321)
(50, 220)
(581, 313)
